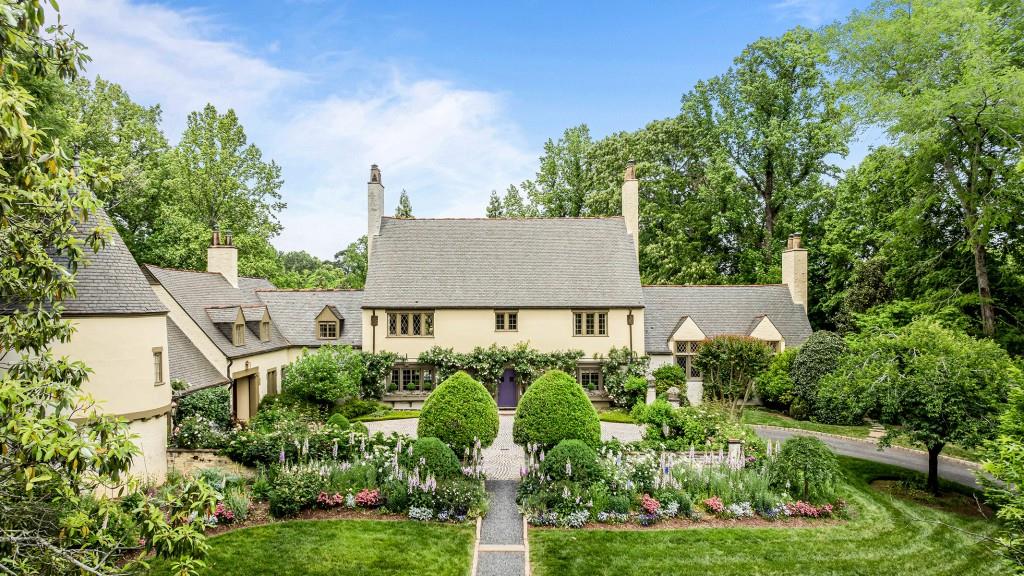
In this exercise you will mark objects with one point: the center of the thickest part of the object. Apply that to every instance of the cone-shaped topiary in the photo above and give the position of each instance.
(555, 408)
(459, 412)
(437, 459)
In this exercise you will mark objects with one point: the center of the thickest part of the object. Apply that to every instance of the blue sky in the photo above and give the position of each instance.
(451, 99)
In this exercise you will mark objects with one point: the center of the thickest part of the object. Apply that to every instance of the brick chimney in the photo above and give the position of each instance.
(794, 270)
(374, 208)
(631, 205)
(222, 256)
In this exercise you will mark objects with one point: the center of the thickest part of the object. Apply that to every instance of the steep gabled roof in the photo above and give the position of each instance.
(719, 310)
(487, 263)
(198, 293)
(187, 363)
(294, 313)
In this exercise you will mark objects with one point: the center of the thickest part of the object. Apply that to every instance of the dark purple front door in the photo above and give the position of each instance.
(507, 394)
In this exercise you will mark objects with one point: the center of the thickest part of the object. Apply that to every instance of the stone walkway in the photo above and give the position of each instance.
(502, 547)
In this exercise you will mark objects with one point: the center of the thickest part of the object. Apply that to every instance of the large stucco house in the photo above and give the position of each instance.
(555, 284)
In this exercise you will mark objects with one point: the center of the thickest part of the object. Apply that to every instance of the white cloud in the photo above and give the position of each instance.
(448, 146)
(165, 56)
(812, 12)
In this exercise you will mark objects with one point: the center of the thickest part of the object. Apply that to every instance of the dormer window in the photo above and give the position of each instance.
(328, 329)
(265, 330)
(329, 323)
(238, 338)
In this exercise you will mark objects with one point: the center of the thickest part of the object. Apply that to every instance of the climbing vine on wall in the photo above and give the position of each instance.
(625, 376)
(488, 364)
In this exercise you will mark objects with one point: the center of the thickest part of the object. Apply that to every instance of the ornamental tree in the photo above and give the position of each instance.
(53, 471)
(730, 365)
(932, 385)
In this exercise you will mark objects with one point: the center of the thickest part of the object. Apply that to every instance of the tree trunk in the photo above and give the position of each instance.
(933, 469)
(988, 311)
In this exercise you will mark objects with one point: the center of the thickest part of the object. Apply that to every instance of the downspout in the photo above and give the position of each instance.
(629, 321)
(234, 393)
(373, 327)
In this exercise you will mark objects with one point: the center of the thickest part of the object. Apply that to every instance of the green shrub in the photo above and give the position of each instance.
(293, 491)
(619, 370)
(338, 421)
(459, 412)
(214, 404)
(573, 460)
(816, 358)
(729, 366)
(325, 376)
(774, 386)
(198, 432)
(295, 429)
(378, 366)
(555, 408)
(435, 457)
(807, 469)
(668, 376)
(356, 407)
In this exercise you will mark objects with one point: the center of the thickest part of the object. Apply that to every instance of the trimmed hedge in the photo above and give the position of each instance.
(459, 412)
(573, 460)
(438, 459)
(555, 408)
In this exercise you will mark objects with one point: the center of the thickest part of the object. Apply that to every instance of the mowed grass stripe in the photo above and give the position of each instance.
(883, 538)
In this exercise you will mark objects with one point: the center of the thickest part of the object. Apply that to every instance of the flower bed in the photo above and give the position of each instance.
(635, 486)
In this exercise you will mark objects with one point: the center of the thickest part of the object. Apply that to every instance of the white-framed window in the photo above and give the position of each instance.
(239, 334)
(412, 377)
(328, 329)
(590, 378)
(773, 345)
(685, 351)
(590, 323)
(414, 324)
(158, 366)
(506, 321)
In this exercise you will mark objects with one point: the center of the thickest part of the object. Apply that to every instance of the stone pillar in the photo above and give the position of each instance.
(652, 393)
(673, 396)
(736, 452)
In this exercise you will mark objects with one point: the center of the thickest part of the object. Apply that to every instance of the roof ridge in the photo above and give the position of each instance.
(173, 269)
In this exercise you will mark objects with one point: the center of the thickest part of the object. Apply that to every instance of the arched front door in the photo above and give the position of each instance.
(508, 393)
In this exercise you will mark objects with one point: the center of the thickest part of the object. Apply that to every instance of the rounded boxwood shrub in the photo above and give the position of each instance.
(555, 408)
(573, 460)
(434, 456)
(338, 421)
(459, 412)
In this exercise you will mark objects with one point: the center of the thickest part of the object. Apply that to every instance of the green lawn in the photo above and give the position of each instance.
(389, 415)
(769, 418)
(888, 536)
(615, 415)
(341, 547)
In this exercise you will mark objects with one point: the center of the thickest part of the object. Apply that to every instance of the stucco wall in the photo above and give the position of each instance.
(260, 364)
(543, 329)
(195, 334)
(119, 350)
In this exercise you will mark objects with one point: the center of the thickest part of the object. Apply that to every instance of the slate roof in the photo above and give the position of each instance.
(196, 292)
(487, 263)
(187, 363)
(110, 283)
(719, 310)
(293, 312)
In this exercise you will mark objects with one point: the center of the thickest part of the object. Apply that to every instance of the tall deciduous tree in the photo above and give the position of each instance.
(352, 263)
(778, 118)
(564, 178)
(945, 79)
(109, 127)
(218, 179)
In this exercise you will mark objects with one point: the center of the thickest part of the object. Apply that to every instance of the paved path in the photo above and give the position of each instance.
(952, 469)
